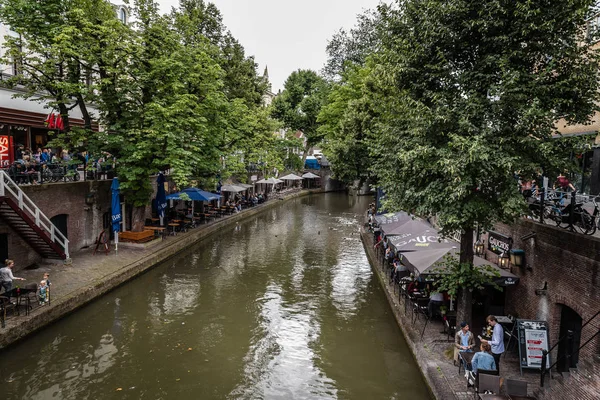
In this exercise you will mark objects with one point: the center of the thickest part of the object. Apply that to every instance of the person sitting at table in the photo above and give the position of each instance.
(412, 287)
(7, 277)
(481, 360)
(464, 340)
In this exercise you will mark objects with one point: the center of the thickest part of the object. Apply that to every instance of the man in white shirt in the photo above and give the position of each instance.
(497, 340)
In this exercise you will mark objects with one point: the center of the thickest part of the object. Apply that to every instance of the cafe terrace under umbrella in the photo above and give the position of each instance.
(405, 226)
(193, 194)
(232, 188)
(419, 238)
(430, 262)
(310, 175)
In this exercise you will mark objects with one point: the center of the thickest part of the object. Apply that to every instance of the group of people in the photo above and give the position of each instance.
(488, 358)
(29, 164)
(7, 278)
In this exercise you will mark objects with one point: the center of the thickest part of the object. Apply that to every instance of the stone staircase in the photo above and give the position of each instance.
(28, 221)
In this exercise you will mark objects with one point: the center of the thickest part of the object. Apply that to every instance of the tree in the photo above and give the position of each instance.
(298, 106)
(345, 122)
(347, 49)
(474, 90)
(46, 50)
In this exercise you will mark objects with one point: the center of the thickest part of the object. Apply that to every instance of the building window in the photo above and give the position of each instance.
(17, 63)
(123, 15)
(594, 29)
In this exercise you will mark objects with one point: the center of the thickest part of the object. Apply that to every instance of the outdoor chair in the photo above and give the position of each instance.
(30, 295)
(515, 387)
(487, 380)
(5, 306)
(450, 327)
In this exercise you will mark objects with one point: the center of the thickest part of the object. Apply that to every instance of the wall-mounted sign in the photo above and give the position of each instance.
(6, 151)
(499, 243)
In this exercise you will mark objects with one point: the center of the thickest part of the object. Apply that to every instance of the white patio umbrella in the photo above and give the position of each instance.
(291, 177)
(310, 175)
(232, 188)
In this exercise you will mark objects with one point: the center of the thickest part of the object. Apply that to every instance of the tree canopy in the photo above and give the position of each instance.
(172, 91)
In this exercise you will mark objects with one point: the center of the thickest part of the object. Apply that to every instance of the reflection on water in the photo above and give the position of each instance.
(281, 306)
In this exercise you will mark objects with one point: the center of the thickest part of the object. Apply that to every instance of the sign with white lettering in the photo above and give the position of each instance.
(6, 151)
(499, 243)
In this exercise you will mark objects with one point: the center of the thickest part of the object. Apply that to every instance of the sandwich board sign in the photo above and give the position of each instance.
(533, 340)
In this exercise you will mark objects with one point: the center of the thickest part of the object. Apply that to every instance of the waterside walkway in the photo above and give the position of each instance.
(90, 276)
(433, 352)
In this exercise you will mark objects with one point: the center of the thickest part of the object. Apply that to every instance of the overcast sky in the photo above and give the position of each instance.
(286, 35)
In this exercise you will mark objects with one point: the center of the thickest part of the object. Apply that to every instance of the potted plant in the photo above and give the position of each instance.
(443, 310)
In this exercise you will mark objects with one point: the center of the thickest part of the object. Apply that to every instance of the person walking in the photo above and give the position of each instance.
(7, 277)
(497, 340)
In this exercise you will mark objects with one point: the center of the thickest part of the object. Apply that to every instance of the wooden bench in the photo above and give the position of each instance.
(136, 237)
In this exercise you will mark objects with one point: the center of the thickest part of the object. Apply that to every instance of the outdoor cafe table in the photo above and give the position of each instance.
(18, 294)
(158, 230)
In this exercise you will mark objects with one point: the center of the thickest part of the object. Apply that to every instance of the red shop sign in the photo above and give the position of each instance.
(6, 151)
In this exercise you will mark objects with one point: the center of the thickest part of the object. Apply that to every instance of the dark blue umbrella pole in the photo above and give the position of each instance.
(116, 210)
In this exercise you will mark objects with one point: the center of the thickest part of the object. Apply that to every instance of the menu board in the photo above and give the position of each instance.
(533, 340)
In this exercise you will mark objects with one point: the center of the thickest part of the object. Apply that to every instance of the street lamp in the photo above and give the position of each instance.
(517, 257)
(503, 260)
(479, 248)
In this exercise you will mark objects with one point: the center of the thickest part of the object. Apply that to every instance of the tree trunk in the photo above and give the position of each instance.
(464, 306)
(138, 218)
(305, 153)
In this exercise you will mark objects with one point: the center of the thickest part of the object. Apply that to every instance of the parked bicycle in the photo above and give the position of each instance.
(571, 215)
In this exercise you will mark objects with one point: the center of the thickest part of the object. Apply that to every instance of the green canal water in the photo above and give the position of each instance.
(282, 306)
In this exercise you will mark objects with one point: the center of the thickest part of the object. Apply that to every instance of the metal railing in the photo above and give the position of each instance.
(8, 186)
(569, 341)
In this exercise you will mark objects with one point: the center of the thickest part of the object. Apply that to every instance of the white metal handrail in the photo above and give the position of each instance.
(24, 203)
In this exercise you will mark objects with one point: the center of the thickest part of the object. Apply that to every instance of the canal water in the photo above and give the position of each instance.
(281, 306)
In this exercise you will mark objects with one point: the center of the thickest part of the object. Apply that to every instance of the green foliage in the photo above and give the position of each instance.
(171, 92)
(452, 276)
(350, 48)
(473, 90)
(298, 106)
(345, 122)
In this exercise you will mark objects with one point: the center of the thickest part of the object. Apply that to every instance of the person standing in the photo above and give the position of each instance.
(497, 340)
(7, 277)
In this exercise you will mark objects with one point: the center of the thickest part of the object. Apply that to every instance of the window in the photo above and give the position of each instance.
(594, 28)
(123, 15)
(16, 62)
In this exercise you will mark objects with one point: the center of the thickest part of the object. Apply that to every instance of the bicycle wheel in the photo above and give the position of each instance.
(584, 223)
(75, 175)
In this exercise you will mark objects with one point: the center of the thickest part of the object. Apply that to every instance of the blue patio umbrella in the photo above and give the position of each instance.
(161, 198)
(194, 194)
(116, 210)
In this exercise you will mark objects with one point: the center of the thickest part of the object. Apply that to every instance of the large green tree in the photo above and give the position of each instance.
(46, 49)
(298, 106)
(476, 89)
(345, 122)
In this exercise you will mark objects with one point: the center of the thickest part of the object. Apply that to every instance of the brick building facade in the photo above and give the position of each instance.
(570, 264)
